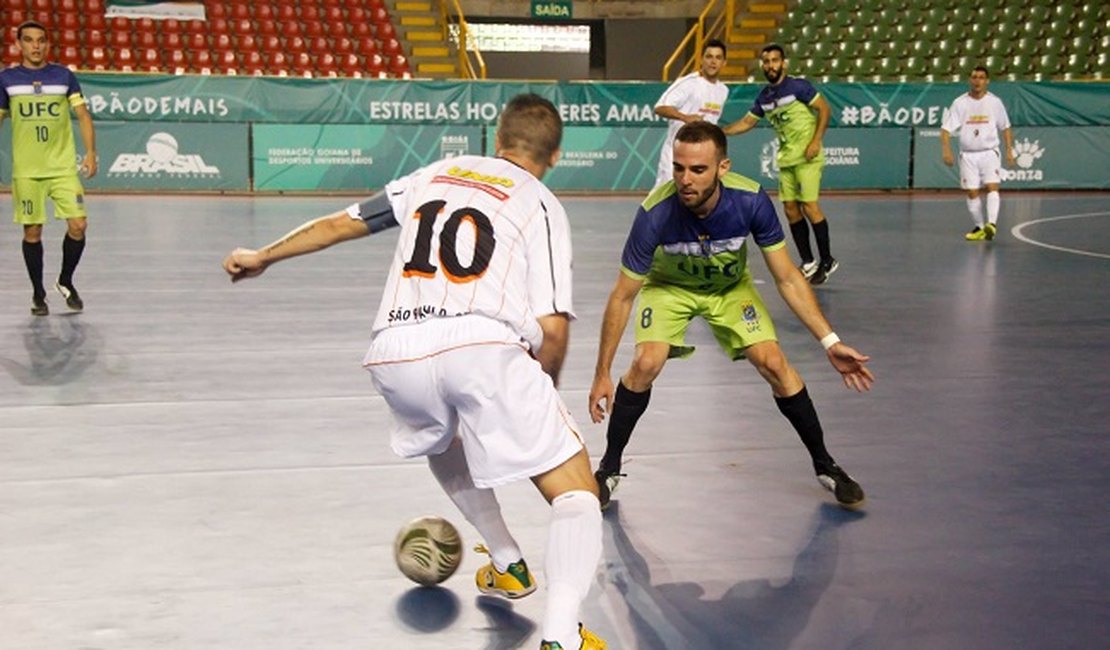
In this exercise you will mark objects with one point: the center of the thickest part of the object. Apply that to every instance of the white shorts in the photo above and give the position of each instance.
(979, 168)
(468, 375)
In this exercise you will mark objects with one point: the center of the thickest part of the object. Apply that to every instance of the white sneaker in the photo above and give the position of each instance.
(808, 269)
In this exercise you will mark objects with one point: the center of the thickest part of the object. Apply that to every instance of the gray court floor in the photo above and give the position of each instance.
(190, 464)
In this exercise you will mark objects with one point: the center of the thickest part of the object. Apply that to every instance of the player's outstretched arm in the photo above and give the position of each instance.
(309, 237)
(742, 125)
(797, 293)
(612, 328)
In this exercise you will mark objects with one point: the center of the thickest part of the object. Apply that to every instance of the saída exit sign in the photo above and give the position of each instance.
(552, 9)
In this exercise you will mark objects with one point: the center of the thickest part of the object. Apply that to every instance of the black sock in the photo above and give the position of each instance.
(800, 230)
(71, 255)
(627, 409)
(32, 258)
(799, 410)
(821, 233)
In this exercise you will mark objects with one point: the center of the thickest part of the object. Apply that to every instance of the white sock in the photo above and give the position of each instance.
(478, 505)
(975, 207)
(993, 202)
(573, 551)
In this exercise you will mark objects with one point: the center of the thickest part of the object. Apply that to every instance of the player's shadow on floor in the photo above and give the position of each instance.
(507, 629)
(59, 351)
(752, 614)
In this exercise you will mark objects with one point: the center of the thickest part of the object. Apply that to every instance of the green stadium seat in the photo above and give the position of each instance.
(978, 30)
(1009, 31)
(1061, 27)
(1030, 46)
(866, 66)
(848, 49)
(915, 67)
(962, 15)
(1021, 66)
(840, 68)
(882, 32)
(1050, 64)
(890, 67)
(1080, 44)
(857, 33)
(974, 47)
(941, 64)
(929, 31)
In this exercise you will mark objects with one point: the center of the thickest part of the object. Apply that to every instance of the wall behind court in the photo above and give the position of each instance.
(343, 134)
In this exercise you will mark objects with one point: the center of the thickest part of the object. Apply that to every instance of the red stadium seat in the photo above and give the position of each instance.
(295, 45)
(366, 46)
(239, 11)
(43, 6)
(118, 39)
(97, 59)
(222, 42)
(302, 64)
(95, 39)
(172, 26)
(310, 12)
(399, 66)
(66, 5)
(378, 15)
(95, 23)
(361, 29)
(244, 26)
(326, 65)
(198, 42)
(120, 24)
(350, 65)
(69, 37)
(360, 15)
(272, 43)
(286, 13)
(263, 11)
(93, 6)
(123, 59)
(214, 10)
(246, 43)
(267, 27)
(173, 41)
(343, 45)
(202, 62)
(176, 61)
(375, 67)
(228, 62)
(16, 16)
(385, 31)
(253, 64)
(217, 26)
(290, 29)
(314, 28)
(197, 27)
(334, 15)
(146, 39)
(320, 44)
(277, 64)
(151, 60)
(144, 25)
(392, 47)
(65, 21)
(70, 57)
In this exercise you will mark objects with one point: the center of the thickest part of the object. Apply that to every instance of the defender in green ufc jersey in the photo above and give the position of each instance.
(38, 96)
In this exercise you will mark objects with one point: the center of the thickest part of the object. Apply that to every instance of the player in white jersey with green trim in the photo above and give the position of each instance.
(38, 96)
(799, 115)
(699, 95)
(468, 343)
(979, 116)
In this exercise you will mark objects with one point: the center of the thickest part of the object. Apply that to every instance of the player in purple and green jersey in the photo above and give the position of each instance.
(799, 115)
(685, 257)
(38, 96)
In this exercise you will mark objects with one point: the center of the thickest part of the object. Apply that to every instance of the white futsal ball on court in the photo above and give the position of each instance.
(162, 147)
(428, 550)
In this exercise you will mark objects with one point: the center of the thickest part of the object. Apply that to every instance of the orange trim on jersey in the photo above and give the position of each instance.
(462, 182)
(439, 352)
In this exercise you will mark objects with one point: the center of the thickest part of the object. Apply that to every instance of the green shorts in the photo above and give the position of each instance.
(29, 199)
(801, 182)
(737, 317)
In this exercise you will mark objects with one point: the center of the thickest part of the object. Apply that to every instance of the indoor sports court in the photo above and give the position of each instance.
(190, 464)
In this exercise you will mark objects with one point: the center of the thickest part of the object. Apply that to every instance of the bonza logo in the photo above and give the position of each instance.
(1027, 153)
(162, 157)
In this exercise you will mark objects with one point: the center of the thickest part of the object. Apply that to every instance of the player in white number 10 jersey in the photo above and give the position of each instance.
(468, 344)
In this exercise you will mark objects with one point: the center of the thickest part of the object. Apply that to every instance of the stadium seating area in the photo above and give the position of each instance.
(312, 38)
(941, 40)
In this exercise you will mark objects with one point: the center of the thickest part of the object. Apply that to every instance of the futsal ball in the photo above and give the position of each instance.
(428, 550)
(162, 147)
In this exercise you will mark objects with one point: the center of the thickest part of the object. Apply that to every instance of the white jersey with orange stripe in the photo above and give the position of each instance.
(479, 235)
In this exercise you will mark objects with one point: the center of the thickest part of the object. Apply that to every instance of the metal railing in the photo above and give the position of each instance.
(713, 22)
(470, 67)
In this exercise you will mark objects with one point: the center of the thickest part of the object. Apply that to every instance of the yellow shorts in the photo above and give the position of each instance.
(737, 317)
(801, 182)
(29, 199)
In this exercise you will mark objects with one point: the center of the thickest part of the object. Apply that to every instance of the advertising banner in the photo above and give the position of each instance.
(854, 158)
(198, 98)
(351, 157)
(605, 158)
(171, 157)
(1047, 158)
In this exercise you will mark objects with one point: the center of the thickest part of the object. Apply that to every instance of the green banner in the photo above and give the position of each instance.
(350, 157)
(854, 158)
(195, 98)
(605, 158)
(171, 157)
(552, 9)
(1047, 158)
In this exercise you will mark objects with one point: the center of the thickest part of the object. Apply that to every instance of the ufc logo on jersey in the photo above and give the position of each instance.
(38, 109)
